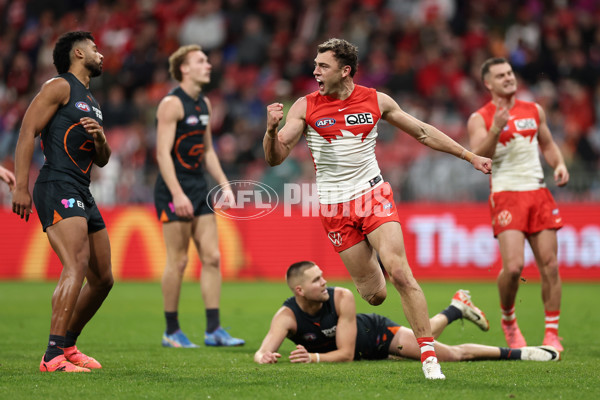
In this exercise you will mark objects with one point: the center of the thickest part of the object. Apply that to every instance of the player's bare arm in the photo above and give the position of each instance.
(481, 140)
(278, 145)
(53, 94)
(103, 151)
(170, 110)
(213, 165)
(345, 333)
(427, 134)
(282, 324)
(550, 151)
(345, 336)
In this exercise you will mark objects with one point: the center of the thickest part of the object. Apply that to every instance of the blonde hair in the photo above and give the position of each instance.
(177, 59)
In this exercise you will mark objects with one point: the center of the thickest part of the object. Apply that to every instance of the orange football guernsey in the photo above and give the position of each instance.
(516, 164)
(341, 136)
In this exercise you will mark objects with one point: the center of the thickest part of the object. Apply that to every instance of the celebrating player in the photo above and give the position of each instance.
(323, 323)
(510, 131)
(357, 208)
(70, 122)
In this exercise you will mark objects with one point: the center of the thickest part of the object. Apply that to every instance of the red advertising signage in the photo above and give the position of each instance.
(443, 241)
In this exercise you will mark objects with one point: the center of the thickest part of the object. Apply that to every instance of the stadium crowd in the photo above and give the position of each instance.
(426, 54)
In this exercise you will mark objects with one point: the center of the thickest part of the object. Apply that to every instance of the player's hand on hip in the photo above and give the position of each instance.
(561, 175)
(21, 203)
(482, 164)
(300, 355)
(274, 115)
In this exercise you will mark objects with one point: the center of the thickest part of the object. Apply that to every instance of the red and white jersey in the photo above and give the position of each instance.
(516, 164)
(341, 136)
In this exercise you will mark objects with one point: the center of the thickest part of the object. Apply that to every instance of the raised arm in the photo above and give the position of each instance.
(550, 151)
(481, 140)
(53, 94)
(427, 134)
(277, 145)
(282, 324)
(170, 110)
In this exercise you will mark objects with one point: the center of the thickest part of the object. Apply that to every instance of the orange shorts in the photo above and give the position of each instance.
(348, 223)
(529, 211)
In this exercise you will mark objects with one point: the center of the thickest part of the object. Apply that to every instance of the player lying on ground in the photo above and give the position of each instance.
(323, 323)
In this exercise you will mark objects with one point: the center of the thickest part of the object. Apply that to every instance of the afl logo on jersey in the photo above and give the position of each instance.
(309, 337)
(325, 122)
(192, 120)
(83, 106)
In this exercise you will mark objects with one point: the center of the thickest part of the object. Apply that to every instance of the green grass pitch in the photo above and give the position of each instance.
(125, 337)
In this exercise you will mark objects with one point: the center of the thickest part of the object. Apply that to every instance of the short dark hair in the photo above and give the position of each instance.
(485, 67)
(344, 52)
(297, 269)
(63, 47)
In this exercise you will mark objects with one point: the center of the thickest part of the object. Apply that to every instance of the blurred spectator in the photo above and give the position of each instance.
(205, 26)
(425, 53)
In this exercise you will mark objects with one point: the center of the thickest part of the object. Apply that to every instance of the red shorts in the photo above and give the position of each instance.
(529, 212)
(348, 223)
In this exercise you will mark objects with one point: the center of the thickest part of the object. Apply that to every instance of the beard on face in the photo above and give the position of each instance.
(94, 68)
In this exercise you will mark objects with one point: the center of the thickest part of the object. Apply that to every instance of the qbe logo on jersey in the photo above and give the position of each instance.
(358, 119)
(243, 200)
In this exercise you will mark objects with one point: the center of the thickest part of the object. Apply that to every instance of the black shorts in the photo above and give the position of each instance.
(57, 200)
(373, 336)
(194, 187)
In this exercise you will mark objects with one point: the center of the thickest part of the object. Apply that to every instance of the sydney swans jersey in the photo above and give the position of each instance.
(68, 149)
(188, 149)
(516, 164)
(341, 136)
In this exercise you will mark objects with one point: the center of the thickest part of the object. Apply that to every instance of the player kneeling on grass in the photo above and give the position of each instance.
(323, 323)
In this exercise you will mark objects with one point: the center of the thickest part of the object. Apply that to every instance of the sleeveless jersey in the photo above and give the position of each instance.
(516, 164)
(188, 149)
(315, 332)
(341, 136)
(68, 149)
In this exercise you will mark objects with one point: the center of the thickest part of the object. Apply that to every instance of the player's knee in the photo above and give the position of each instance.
(400, 278)
(180, 263)
(107, 283)
(376, 298)
(513, 270)
(211, 259)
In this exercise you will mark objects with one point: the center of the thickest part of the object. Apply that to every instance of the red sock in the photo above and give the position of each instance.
(427, 349)
(552, 321)
(508, 314)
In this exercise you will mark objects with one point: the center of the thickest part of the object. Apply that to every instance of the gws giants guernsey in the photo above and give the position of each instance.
(315, 332)
(188, 149)
(516, 164)
(69, 150)
(341, 136)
